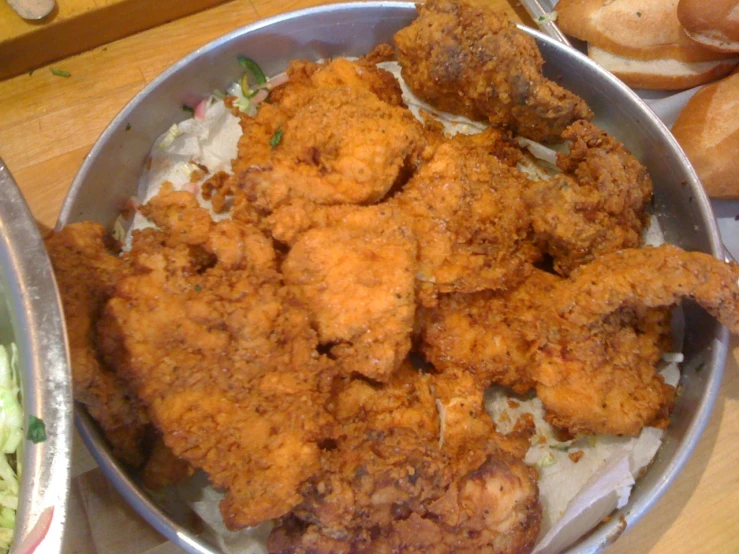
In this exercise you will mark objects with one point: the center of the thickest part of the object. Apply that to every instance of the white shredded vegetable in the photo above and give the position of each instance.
(11, 436)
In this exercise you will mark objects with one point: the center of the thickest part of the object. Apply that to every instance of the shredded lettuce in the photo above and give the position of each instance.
(11, 436)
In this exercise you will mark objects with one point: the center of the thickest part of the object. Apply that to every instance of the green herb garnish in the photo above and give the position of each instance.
(188, 109)
(36, 429)
(253, 67)
(276, 138)
(60, 73)
(560, 447)
(638, 14)
(197, 288)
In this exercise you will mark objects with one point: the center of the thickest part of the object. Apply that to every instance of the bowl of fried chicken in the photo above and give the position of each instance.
(403, 278)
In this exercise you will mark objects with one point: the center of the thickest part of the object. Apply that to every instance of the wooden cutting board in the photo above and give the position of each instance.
(78, 25)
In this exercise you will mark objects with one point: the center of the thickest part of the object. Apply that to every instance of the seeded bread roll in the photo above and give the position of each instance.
(642, 42)
(708, 130)
(712, 23)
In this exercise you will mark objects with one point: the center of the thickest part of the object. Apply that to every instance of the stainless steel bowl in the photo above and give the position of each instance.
(31, 316)
(109, 176)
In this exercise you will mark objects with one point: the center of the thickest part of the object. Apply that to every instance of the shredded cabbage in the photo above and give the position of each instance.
(11, 436)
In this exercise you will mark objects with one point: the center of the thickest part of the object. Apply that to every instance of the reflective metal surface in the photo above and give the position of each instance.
(110, 173)
(31, 315)
(541, 15)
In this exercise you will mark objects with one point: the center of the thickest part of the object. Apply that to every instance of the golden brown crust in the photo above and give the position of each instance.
(713, 24)
(86, 273)
(632, 28)
(465, 59)
(708, 131)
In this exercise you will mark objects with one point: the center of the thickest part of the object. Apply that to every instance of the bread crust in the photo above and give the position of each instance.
(714, 23)
(633, 28)
(665, 74)
(708, 131)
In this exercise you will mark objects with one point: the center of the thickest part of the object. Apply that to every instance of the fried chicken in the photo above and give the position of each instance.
(330, 138)
(86, 272)
(598, 205)
(467, 210)
(589, 344)
(304, 76)
(485, 334)
(163, 468)
(596, 370)
(467, 60)
(388, 486)
(209, 340)
(354, 273)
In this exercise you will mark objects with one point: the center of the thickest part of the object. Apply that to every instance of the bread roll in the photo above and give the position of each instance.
(642, 43)
(667, 74)
(708, 130)
(712, 23)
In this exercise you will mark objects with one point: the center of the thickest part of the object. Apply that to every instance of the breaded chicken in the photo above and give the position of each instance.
(588, 345)
(467, 210)
(597, 205)
(86, 272)
(163, 468)
(329, 138)
(596, 372)
(210, 342)
(389, 486)
(465, 59)
(354, 272)
(485, 334)
(304, 76)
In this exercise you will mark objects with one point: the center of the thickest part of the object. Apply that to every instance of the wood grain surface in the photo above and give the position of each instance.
(78, 25)
(47, 126)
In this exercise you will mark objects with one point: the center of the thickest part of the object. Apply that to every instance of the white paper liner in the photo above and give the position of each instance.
(204, 500)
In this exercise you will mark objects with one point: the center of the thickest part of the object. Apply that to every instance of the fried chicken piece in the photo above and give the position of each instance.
(588, 344)
(304, 76)
(163, 468)
(467, 60)
(485, 333)
(472, 224)
(86, 273)
(224, 360)
(354, 273)
(330, 138)
(387, 486)
(597, 372)
(598, 205)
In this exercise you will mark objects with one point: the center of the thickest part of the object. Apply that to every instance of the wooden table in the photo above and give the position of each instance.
(47, 126)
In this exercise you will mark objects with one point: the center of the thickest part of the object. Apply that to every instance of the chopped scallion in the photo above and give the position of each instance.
(276, 138)
(36, 429)
(253, 67)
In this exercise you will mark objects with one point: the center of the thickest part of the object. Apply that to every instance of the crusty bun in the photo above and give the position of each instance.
(621, 34)
(708, 131)
(667, 74)
(712, 23)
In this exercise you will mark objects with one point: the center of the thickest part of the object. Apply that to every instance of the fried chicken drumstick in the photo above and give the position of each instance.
(467, 60)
